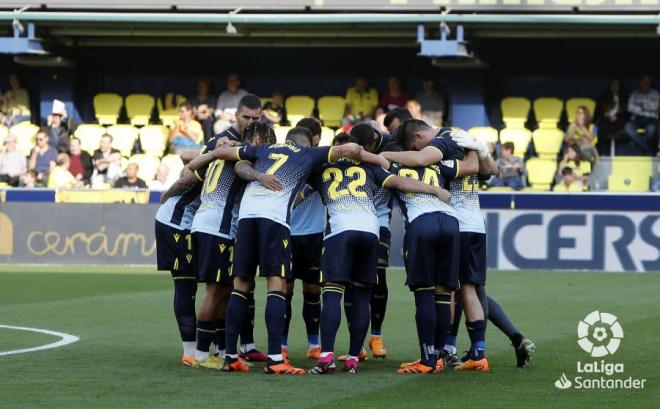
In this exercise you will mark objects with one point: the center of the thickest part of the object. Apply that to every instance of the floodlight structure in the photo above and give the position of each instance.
(445, 52)
(22, 44)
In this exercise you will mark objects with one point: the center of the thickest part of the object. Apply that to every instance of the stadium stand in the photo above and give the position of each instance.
(174, 164)
(331, 110)
(299, 107)
(139, 108)
(90, 136)
(25, 132)
(123, 138)
(3, 133)
(541, 173)
(485, 133)
(280, 132)
(547, 111)
(148, 166)
(515, 111)
(630, 174)
(327, 134)
(153, 139)
(547, 142)
(168, 112)
(573, 103)
(520, 137)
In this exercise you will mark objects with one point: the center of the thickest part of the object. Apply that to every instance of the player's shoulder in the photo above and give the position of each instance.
(230, 133)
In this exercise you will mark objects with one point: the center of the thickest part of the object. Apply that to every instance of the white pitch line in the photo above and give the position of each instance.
(66, 340)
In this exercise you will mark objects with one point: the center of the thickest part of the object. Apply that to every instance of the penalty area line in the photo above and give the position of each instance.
(66, 339)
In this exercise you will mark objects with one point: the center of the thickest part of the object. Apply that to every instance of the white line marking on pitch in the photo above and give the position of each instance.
(66, 340)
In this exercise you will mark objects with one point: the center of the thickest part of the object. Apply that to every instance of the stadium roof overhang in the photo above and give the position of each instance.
(394, 27)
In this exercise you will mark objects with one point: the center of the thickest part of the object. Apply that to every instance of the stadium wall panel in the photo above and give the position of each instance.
(527, 233)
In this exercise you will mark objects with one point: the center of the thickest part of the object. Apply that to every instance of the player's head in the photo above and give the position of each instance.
(395, 117)
(299, 136)
(415, 134)
(393, 146)
(342, 138)
(259, 133)
(364, 135)
(314, 126)
(248, 111)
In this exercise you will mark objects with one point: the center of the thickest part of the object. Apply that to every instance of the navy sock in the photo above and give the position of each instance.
(247, 329)
(275, 312)
(443, 316)
(220, 334)
(311, 312)
(477, 332)
(497, 316)
(361, 296)
(205, 334)
(184, 308)
(483, 298)
(287, 320)
(379, 302)
(330, 316)
(348, 304)
(425, 318)
(237, 308)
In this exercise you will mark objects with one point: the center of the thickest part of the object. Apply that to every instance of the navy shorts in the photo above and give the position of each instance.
(473, 258)
(384, 239)
(306, 258)
(213, 258)
(431, 251)
(350, 256)
(174, 250)
(265, 244)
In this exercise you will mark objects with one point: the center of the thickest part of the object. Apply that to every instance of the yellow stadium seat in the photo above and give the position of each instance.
(484, 133)
(629, 165)
(541, 172)
(265, 100)
(3, 132)
(90, 136)
(153, 139)
(573, 103)
(106, 107)
(123, 138)
(169, 112)
(280, 133)
(148, 166)
(175, 165)
(628, 183)
(298, 107)
(25, 133)
(331, 110)
(327, 135)
(519, 136)
(514, 111)
(499, 189)
(548, 142)
(139, 107)
(547, 111)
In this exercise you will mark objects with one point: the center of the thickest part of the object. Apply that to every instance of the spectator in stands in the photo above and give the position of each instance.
(81, 164)
(204, 116)
(581, 136)
(15, 103)
(568, 183)
(643, 107)
(432, 102)
(611, 114)
(107, 163)
(186, 132)
(274, 110)
(60, 176)
(572, 160)
(361, 101)
(396, 95)
(58, 134)
(131, 180)
(43, 157)
(29, 180)
(225, 108)
(161, 183)
(655, 185)
(13, 163)
(395, 117)
(511, 168)
(414, 108)
(203, 96)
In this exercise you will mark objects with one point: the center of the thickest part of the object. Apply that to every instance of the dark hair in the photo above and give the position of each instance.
(74, 138)
(44, 130)
(342, 138)
(187, 105)
(311, 124)
(261, 130)
(399, 113)
(508, 145)
(296, 134)
(393, 146)
(363, 133)
(249, 101)
(278, 92)
(567, 170)
(107, 135)
(407, 130)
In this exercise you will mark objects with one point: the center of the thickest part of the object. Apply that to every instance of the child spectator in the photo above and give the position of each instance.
(274, 110)
(511, 168)
(568, 183)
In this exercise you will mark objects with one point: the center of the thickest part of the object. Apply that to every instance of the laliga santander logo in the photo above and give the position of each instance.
(599, 334)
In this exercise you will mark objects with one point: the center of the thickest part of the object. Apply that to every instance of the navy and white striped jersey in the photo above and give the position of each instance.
(348, 189)
(178, 211)
(309, 216)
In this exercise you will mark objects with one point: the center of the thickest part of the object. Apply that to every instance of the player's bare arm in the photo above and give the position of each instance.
(374, 159)
(187, 180)
(409, 185)
(245, 171)
(468, 166)
(188, 156)
(201, 160)
(348, 150)
(427, 156)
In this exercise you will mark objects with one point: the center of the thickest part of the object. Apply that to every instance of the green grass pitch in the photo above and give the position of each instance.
(128, 353)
